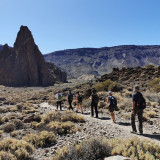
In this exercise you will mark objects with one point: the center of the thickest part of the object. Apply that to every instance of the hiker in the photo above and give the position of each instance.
(59, 99)
(79, 98)
(70, 99)
(94, 103)
(112, 104)
(138, 104)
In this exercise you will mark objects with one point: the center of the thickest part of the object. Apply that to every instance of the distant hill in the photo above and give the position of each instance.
(99, 61)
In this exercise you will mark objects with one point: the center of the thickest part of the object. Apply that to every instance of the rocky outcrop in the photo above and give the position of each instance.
(99, 61)
(24, 65)
(131, 76)
(1, 46)
(57, 73)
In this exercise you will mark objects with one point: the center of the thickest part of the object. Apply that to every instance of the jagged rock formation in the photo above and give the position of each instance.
(1, 46)
(99, 61)
(24, 65)
(131, 76)
(57, 73)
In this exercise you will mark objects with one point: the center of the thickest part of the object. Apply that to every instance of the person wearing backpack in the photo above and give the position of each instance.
(70, 99)
(138, 104)
(94, 102)
(59, 99)
(112, 104)
(79, 98)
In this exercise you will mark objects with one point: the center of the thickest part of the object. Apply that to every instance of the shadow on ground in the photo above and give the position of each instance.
(124, 123)
(154, 136)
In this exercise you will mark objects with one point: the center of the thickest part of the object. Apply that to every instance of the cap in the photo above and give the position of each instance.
(110, 92)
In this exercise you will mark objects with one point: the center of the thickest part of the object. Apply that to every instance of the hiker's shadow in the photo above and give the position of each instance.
(104, 118)
(154, 136)
(124, 123)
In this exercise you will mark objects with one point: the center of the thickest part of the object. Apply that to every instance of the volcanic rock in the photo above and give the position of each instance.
(24, 65)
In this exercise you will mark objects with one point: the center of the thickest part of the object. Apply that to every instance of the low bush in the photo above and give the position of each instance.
(9, 127)
(18, 148)
(108, 85)
(62, 117)
(61, 127)
(42, 139)
(151, 114)
(135, 148)
(7, 156)
(155, 85)
(92, 149)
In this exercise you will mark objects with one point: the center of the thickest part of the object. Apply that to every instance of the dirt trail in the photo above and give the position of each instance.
(122, 128)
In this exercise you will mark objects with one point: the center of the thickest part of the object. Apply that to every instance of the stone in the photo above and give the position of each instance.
(24, 65)
(117, 158)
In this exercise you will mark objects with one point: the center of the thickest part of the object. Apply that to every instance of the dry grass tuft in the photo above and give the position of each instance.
(42, 139)
(61, 127)
(91, 149)
(18, 148)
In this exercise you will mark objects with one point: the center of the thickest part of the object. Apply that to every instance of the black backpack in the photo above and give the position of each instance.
(112, 101)
(141, 102)
(80, 98)
(95, 98)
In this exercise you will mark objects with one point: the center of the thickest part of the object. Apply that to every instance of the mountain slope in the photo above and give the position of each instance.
(99, 61)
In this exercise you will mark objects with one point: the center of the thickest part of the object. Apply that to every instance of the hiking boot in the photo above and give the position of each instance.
(134, 132)
(140, 133)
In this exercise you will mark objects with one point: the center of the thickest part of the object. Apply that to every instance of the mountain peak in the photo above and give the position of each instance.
(24, 35)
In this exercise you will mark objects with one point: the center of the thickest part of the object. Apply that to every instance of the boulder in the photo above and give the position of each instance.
(117, 158)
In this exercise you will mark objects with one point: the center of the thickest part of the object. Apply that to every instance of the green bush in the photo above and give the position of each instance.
(108, 85)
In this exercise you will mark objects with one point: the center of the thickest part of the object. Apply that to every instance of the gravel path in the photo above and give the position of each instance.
(101, 127)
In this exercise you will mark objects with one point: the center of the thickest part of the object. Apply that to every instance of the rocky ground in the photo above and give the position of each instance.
(44, 99)
(101, 127)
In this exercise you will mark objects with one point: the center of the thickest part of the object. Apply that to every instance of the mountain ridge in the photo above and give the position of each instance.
(99, 61)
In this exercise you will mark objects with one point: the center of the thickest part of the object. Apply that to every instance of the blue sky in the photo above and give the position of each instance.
(67, 24)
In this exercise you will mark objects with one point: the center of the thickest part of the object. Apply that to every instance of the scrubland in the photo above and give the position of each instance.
(30, 131)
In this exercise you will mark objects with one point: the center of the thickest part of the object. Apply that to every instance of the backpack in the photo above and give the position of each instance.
(95, 98)
(79, 98)
(70, 96)
(141, 102)
(112, 101)
(59, 96)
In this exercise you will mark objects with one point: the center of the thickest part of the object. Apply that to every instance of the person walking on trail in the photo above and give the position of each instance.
(70, 99)
(79, 99)
(112, 104)
(94, 103)
(138, 104)
(59, 99)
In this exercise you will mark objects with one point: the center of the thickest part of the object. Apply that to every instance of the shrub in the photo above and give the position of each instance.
(151, 114)
(62, 117)
(7, 156)
(9, 127)
(135, 148)
(19, 148)
(42, 139)
(92, 149)
(61, 127)
(108, 85)
(155, 84)
(149, 66)
(71, 116)
(18, 123)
